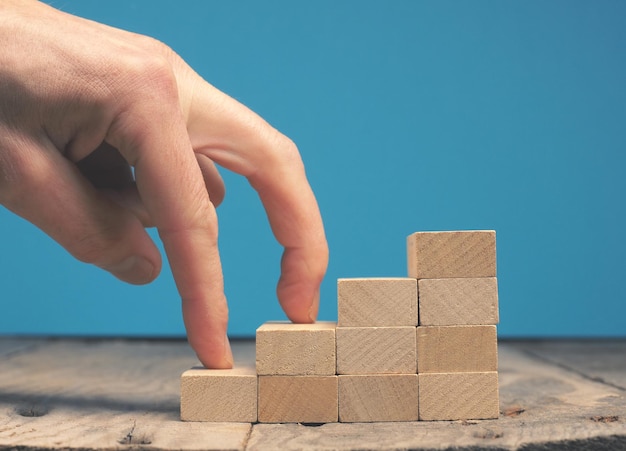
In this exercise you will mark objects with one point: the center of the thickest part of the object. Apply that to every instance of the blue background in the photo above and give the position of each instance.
(409, 116)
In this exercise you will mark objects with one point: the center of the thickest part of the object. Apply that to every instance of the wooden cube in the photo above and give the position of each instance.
(376, 350)
(452, 349)
(455, 301)
(298, 399)
(438, 255)
(458, 396)
(377, 302)
(296, 349)
(388, 397)
(219, 395)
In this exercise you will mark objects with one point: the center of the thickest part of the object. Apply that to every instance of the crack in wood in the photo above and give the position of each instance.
(570, 369)
(605, 418)
(8, 355)
(131, 439)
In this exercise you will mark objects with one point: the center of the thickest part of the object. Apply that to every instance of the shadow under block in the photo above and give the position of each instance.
(296, 349)
(453, 349)
(438, 255)
(444, 302)
(368, 398)
(377, 302)
(298, 399)
(458, 396)
(376, 350)
(219, 395)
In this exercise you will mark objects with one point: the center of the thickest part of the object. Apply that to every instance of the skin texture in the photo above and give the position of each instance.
(81, 103)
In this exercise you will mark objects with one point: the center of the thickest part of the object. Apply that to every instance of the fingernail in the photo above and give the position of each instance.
(228, 353)
(315, 305)
(135, 269)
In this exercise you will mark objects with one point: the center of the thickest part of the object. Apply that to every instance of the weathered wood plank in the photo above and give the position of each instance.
(541, 405)
(10, 346)
(597, 359)
(110, 394)
(105, 394)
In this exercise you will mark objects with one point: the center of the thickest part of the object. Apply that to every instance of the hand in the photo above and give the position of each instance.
(81, 103)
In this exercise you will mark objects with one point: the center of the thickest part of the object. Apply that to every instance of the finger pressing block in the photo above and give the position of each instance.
(219, 395)
(296, 349)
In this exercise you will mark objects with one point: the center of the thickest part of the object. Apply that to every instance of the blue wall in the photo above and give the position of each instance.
(410, 116)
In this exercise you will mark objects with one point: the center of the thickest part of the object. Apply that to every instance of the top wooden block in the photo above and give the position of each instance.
(377, 302)
(288, 349)
(438, 255)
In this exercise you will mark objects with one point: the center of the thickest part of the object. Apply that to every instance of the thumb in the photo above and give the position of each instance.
(40, 185)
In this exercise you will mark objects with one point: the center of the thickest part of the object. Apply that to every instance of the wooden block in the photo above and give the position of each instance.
(388, 397)
(377, 302)
(219, 395)
(376, 350)
(438, 255)
(446, 302)
(298, 399)
(458, 396)
(296, 349)
(454, 349)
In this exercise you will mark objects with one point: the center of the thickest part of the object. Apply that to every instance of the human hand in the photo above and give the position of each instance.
(81, 103)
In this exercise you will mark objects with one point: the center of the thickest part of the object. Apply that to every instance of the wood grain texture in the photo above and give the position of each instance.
(376, 350)
(296, 349)
(451, 349)
(105, 394)
(370, 302)
(599, 360)
(438, 255)
(219, 395)
(298, 399)
(458, 396)
(545, 407)
(369, 398)
(112, 394)
(456, 301)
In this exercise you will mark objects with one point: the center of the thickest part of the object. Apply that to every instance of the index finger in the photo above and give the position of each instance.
(154, 140)
(238, 139)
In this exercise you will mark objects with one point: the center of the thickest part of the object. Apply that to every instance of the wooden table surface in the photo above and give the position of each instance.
(118, 394)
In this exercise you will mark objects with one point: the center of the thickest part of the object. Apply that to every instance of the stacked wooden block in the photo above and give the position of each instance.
(296, 367)
(376, 349)
(456, 338)
(403, 349)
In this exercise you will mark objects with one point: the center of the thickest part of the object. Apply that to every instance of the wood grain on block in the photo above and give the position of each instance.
(368, 398)
(298, 399)
(446, 302)
(219, 395)
(438, 255)
(449, 349)
(110, 394)
(376, 350)
(458, 396)
(296, 349)
(377, 302)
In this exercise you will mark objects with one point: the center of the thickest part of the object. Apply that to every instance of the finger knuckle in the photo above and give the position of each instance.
(147, 71)
(156, 76)
(93, 246)
(284, 153)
